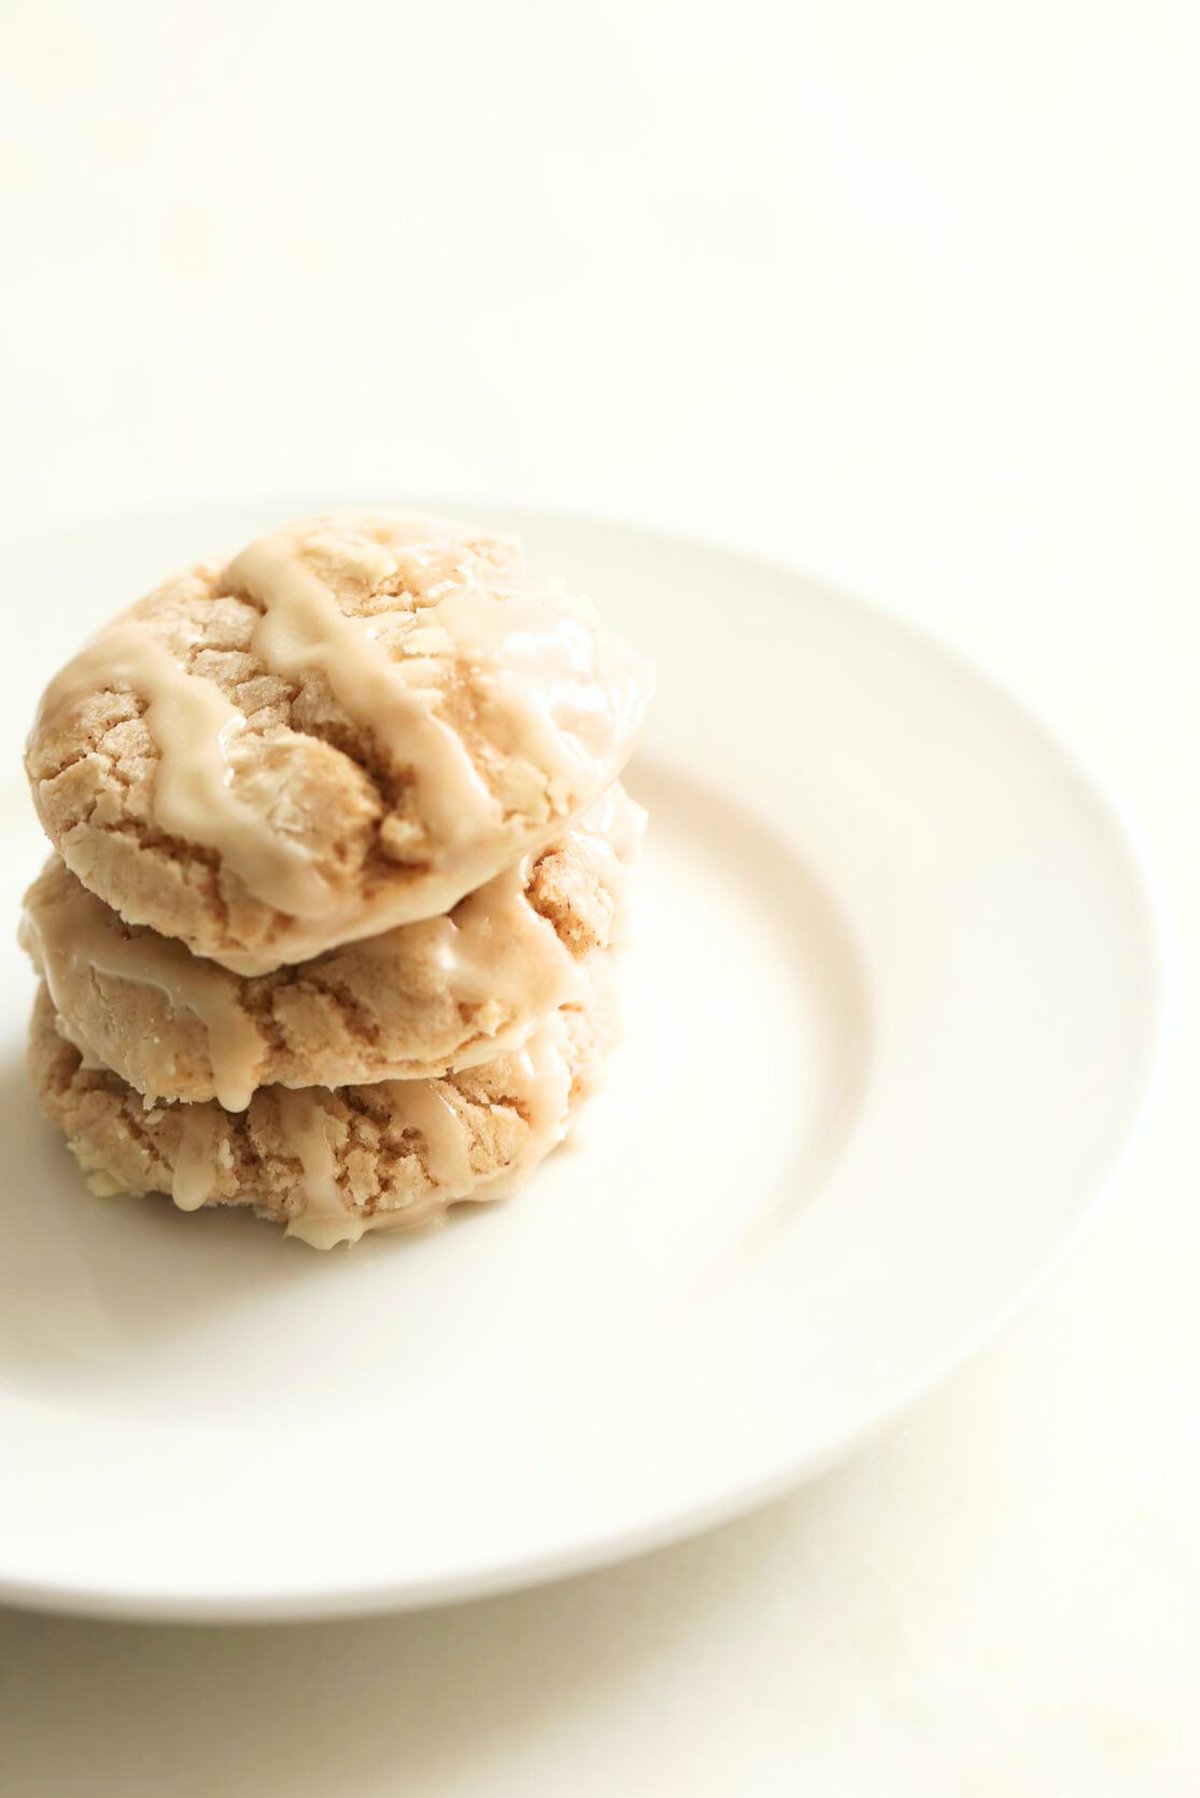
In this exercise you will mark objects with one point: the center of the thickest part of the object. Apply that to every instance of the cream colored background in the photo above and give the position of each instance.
(908, 294)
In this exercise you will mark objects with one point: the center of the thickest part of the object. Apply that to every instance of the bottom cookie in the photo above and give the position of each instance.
(330, 1164)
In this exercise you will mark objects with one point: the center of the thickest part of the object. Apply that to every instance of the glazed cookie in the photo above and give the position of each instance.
(329, 1165)
(417, 1001)
(355, 722)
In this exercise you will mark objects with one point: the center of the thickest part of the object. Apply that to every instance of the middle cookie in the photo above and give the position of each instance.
(448, 992)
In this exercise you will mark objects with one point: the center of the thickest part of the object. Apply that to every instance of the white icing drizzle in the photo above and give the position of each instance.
(303, 628)
(323, 1218)
(423, 1106)
(75, 933)
(197, 731)
(545, 1088)
(194, 1180)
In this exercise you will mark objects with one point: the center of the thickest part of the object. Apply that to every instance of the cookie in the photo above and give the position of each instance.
(355, 722)
(330, 1166)
(418, 1001)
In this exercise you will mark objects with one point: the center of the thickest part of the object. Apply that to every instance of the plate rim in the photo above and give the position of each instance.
(738, 1495)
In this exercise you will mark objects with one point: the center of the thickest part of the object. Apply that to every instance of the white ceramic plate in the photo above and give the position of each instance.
(891, 1013)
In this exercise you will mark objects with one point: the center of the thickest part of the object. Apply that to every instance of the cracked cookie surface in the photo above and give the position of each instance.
(353, 723)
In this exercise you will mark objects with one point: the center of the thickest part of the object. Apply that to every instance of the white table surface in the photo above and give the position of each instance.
(908, 295)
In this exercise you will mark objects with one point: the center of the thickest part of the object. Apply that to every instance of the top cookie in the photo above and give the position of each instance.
(351, 725)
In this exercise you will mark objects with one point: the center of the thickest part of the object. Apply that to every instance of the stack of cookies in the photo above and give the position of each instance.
(341, 862)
